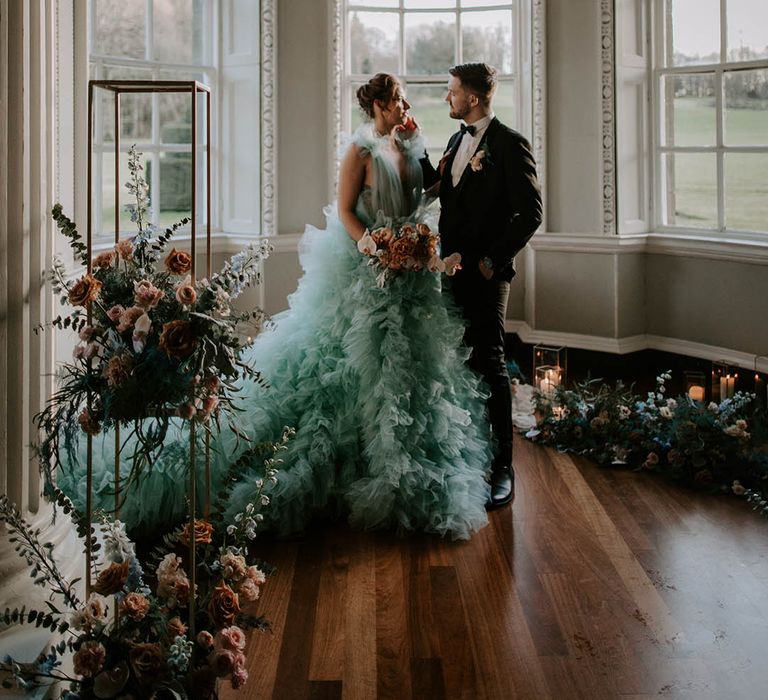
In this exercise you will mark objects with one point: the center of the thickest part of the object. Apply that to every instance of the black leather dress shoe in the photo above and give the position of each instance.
(502, 488)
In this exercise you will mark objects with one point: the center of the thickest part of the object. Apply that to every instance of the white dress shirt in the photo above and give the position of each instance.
(467, 148)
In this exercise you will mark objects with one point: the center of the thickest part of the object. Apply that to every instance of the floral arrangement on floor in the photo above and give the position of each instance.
(407, 247)
(154, 342)
(721, 447)
(131, 638)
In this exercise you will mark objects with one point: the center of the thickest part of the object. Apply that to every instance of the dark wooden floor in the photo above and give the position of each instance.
(596, 584)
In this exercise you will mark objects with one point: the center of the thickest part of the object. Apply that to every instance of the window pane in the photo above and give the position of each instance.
(172, 188)
(691, 189)
(429, 108)
(127, 227)
(430, 4)
(178, 31)
(119, 28)
(746, 107)
(747, 30)
(175, 111)
(691, 115)
(484, 3)
(487, 37)
(374, 39)
(135, 109)
(430, 42)
(504, 106)
(377, 3)
(695, 31)
(746, 191)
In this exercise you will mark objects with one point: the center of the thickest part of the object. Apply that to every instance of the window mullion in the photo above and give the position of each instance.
(459, 42)
(720, 149)
(402, 57)
(719, 117)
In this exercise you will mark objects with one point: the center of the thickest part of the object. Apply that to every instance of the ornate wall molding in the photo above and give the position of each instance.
(336, 73)
(268, 117)
(539, 93)
(608, 96)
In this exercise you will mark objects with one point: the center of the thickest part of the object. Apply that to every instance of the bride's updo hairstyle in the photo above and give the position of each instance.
(380, 87)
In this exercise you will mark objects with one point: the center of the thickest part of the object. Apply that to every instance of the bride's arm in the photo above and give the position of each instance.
(351, 180)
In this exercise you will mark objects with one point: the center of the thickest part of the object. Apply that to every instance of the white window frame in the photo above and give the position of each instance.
(521, 42)
(659, 71)
(209, 69)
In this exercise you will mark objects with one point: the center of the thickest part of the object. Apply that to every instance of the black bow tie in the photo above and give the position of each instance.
(467, 129)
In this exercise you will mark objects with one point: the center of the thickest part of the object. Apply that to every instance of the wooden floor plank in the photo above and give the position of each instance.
(292, 679)
(328, 641)
(393, 646)
(359, 680)
(595, 584)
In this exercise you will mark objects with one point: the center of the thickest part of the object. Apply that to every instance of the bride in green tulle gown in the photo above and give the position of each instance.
(390, 426)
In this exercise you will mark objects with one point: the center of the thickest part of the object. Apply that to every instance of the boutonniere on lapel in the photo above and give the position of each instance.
(481, 158)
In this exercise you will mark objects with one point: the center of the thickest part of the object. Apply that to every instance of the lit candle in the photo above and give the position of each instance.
(550, 380)
(696, 392)
(727, 386)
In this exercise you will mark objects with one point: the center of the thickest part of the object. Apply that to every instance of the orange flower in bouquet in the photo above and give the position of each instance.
(411, 247)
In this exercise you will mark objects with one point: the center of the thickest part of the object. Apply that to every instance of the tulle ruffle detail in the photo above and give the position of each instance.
(390, 428)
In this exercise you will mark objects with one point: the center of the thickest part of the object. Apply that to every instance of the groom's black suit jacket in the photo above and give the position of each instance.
(492, 212)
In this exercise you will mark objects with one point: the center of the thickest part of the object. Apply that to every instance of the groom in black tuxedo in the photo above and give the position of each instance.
(490, 206)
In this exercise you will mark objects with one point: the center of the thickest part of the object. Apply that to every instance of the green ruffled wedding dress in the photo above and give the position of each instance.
(390, 427)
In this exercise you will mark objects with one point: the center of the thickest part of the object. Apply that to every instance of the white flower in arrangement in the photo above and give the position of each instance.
(452, 264)
(671, 404)
(140, 331)
(665, 412)
(264, 500)
(92, 616)
(624, 412)
(713, 407)
(366, 245)
(117, 545)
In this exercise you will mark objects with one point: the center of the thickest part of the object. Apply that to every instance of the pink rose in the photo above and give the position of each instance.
(239, 677)
(232, 638)
(205, 639)
(146, 295)
(248, 590)
(115, 313)
(185, 292)
(129, 317)
(256, 574)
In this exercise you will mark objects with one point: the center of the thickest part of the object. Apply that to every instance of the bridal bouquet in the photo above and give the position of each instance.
(408, 247)
(154, 343)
